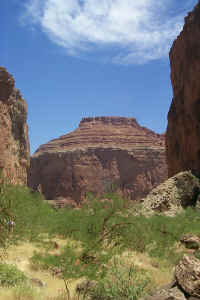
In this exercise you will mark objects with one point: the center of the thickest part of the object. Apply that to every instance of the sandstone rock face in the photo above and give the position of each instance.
(179, 191)
(103, 154)
(183, 132)
(14, 142)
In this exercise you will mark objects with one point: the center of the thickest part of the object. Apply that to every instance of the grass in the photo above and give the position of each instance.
(121, 282)
(90, 241)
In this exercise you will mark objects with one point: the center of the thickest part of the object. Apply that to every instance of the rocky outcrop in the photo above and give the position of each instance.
(167, 293)
(14, 143)
(186, 283)
(183, 132)
(187, 275)
(179, 191)
(104, 154)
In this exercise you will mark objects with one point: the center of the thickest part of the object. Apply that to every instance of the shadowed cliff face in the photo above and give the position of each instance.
(103, 154)
(14, 143)
(183, 132)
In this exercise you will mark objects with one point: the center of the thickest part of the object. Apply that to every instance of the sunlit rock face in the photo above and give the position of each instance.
(103, 154)
(14, 142)
(183, 132)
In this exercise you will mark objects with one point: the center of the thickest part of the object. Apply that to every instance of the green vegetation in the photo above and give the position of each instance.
(10, 275)
(121, 282)
(95, 235)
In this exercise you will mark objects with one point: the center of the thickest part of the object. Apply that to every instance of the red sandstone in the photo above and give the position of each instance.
(103, 154)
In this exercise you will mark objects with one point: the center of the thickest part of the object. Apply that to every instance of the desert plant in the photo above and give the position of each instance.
(122, 282)
(10, 275)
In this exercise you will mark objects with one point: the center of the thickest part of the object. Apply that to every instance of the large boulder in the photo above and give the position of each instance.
(103, 154)
(179, 191)
(14, 142)
(187, 274)
(183, 131)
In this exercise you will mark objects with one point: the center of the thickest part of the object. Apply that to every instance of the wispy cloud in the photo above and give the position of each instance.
(138, 30)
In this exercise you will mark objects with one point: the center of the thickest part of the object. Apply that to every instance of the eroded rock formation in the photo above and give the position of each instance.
(186, 283)
(174, 194)
(14, 143)
(183, 132)
(103, 154)
(187, 274)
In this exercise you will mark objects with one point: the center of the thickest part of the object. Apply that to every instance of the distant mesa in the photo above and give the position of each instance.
(14, 141)
(103, 154)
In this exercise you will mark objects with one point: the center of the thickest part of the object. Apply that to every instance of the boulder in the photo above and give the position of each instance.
(167, 294)
(38, 282)
(187, 274)
(179, 191)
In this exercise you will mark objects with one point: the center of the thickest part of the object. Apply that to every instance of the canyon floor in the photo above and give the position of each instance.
(54, 288)
(105, 242)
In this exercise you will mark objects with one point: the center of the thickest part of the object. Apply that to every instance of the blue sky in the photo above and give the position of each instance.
(79, 58)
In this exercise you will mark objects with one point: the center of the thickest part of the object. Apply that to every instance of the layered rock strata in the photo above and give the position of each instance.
(14, 142)
(104, 154)
(183, 132)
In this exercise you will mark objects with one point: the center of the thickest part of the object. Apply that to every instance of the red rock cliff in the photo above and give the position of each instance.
(183, 132)
(104, 153)
(14, 143)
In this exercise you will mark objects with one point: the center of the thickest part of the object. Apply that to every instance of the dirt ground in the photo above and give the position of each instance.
(20, 256)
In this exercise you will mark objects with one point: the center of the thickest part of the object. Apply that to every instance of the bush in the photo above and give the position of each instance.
(102, 230)
(28, 210)
(122, 283)
(99, 231)
(10, 275)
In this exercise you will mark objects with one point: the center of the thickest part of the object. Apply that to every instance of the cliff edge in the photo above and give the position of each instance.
(14, 142)
(183, 131)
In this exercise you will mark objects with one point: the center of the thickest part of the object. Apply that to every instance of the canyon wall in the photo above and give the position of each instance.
(103, 154)
(14, 142)
(183, 132)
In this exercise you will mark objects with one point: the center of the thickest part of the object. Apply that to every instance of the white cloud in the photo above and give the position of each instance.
(139, 30)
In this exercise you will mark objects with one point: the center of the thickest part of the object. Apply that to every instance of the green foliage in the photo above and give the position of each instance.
(5, 214)
(91, 227)
(10, 275)
(103, 229)
(99, 231)
(29, 212)
(121, 283)
(197, 254)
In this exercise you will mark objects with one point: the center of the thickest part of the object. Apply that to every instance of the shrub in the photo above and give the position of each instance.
(10, 275)
(28, 210)
(122, 283)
